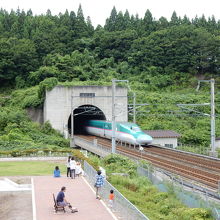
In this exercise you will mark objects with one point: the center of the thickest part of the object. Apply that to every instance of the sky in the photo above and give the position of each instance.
(99, 10)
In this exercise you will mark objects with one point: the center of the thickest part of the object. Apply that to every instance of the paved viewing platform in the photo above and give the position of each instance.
(78, 192)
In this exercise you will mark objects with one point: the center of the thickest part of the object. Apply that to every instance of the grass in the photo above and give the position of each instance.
(30, 168)
(154, 204)
(139, 191)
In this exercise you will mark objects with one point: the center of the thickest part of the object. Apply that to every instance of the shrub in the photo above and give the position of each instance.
(47, 84)
(117, 163)
(25, 98)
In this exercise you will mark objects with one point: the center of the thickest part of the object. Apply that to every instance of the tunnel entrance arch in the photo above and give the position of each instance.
(82, 114)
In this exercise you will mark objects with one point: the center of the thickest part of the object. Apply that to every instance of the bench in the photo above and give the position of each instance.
(57, 207)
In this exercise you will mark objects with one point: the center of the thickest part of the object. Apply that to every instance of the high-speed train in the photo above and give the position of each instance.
(125, 131)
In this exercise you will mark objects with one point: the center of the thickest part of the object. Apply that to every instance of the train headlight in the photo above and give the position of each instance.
(144, 139)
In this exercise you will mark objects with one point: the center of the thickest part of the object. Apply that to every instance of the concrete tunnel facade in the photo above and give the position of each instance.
(87, 102)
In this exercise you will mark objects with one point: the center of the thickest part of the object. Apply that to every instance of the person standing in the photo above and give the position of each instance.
(61, 200)
(98, 183)
(73, 167)
(111, 198)
(68, 167)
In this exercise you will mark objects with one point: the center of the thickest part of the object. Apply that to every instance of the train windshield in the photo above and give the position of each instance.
(136, 129)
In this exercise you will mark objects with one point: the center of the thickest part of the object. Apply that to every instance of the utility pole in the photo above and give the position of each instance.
(113, 116)
(212, 116)
(213, 151)
(134, 107)
(72, 122)
(113, 113)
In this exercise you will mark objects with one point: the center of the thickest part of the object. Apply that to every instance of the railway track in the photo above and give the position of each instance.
(208, 164)
(202, 170)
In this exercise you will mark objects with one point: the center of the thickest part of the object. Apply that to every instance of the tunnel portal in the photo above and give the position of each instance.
(88, 102)
(82, 114)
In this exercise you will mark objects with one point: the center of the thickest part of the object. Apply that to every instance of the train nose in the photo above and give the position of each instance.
(144, 139)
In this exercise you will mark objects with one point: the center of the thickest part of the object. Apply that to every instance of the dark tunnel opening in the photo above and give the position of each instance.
(81, 115)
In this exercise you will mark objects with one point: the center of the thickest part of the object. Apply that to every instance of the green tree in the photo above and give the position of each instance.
(181, 48)
(114, 44)
(202, 22)
(111, 21)
(174, 19)
(89, 26)
(42, 73)
(81, 29)
(18, 59)
(162, 23)
(119, 22)
(44, 36)
(127, 20)
(212, 24)
(185, 20)
(148, 23)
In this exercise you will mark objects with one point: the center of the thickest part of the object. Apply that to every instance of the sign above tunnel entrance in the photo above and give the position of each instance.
(87, 95)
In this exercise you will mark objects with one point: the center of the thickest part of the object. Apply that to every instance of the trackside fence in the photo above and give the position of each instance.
(186, 191)
(122, 207)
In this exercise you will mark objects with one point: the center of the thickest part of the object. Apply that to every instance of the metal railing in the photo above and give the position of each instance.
(196, 197)
(92, 146)
(186, 191)
(122, 207)
(194, 149)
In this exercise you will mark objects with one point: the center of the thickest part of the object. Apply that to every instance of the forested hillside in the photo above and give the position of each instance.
(162, 59)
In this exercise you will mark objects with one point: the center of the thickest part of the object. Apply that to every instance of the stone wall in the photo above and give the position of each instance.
(36, 114)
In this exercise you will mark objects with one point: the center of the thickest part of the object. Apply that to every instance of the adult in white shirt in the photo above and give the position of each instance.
(73, 167)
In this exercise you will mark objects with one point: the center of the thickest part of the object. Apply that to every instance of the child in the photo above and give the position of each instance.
(73, 167)
(111, 198)
(56, 172)
(78, 169)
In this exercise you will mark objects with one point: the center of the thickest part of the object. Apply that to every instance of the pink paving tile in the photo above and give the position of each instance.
(78, 193)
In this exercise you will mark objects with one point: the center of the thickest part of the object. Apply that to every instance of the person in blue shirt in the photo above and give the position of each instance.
(98, 183)
(56, 172)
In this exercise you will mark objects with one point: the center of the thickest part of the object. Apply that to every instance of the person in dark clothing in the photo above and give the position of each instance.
(61, 200)
(68, 167)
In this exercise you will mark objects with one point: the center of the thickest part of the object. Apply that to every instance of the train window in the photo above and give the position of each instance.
(137, 129)
(107, 126)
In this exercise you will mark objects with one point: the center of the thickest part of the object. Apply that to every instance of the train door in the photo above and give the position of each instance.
(105, 128)
(117, 128)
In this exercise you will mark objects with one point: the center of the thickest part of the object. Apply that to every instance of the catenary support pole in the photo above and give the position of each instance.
(71, 117)
(213, 151)
(113, 116)
(72, 122)
(134, 108)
